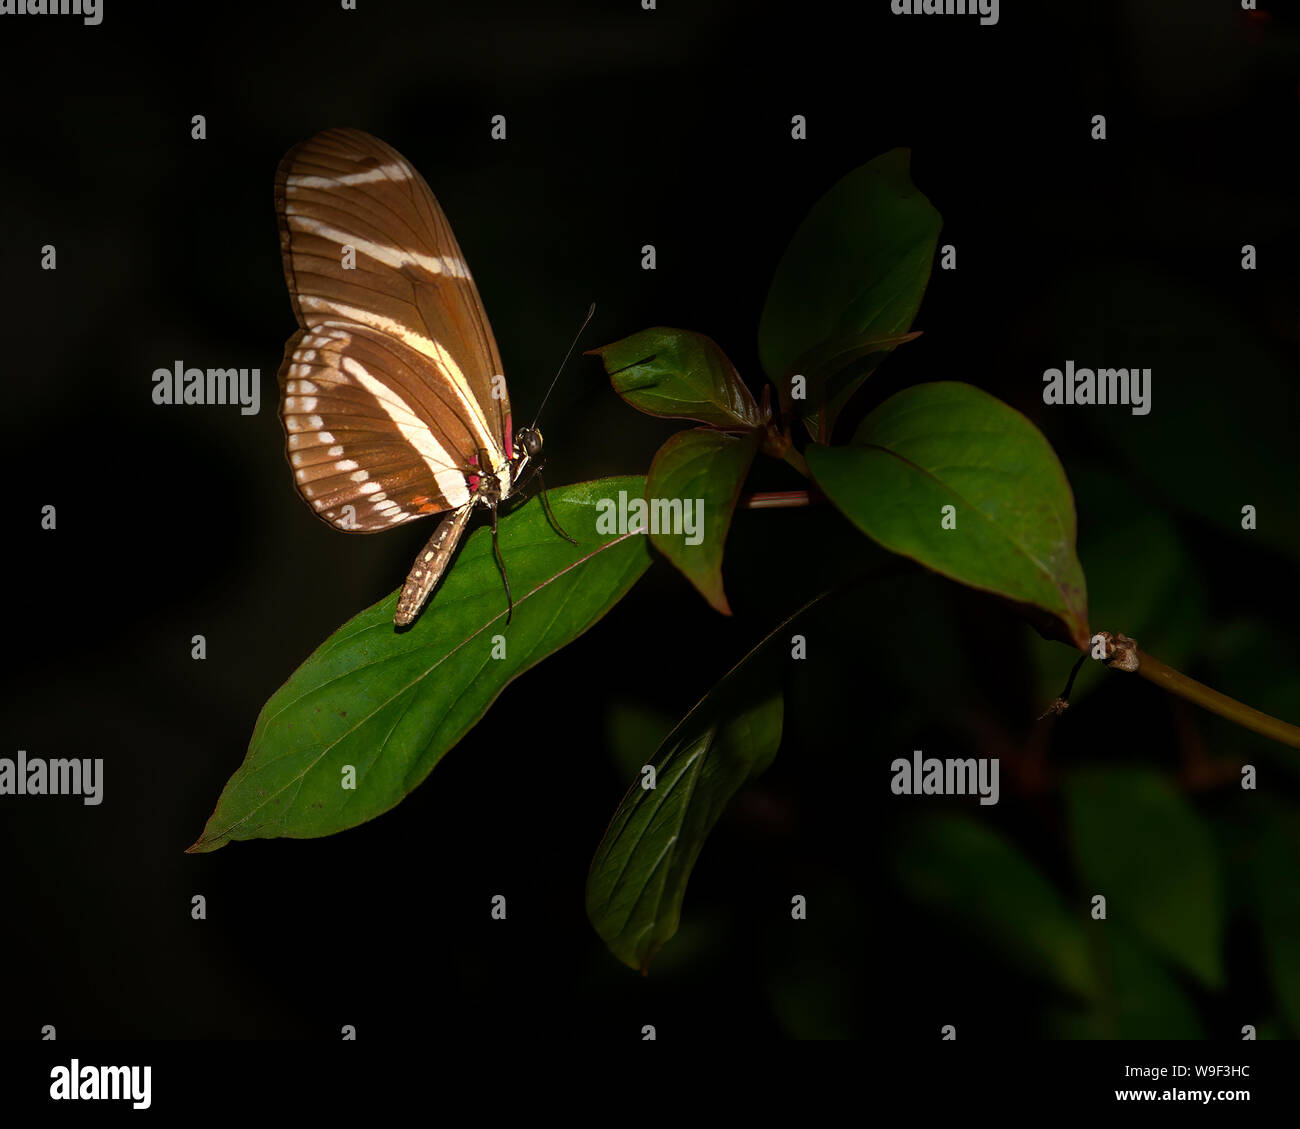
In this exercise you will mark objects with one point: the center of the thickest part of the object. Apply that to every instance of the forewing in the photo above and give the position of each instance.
(344, 188)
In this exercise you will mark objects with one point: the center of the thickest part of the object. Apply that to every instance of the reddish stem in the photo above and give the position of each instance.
(775, 499)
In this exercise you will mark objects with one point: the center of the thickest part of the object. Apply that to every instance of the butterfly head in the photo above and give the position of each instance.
(529, 441)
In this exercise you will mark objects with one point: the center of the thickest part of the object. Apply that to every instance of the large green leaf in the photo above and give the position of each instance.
(857, 267)
(639, 873)
(948, 444)
(1138, 842)
(969, 874)
(390, 703)
(677, 374)
(705, 469)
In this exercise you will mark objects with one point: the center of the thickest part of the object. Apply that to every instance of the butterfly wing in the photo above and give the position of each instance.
(393, 385)
(372, 441)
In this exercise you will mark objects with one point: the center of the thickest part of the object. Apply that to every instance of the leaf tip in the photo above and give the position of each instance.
(718, 601)
(203, 844)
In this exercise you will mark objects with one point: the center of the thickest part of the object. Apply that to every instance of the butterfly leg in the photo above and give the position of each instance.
(431, 564)
(546, 505)
(501, 564)
(535, 471)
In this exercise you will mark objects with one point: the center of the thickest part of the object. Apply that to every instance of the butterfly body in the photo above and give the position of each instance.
(393, 400)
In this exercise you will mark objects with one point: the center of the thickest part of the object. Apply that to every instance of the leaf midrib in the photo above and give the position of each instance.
(226, 832)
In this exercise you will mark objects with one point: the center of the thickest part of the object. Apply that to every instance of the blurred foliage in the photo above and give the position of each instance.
(989, 917)
(1139, 844)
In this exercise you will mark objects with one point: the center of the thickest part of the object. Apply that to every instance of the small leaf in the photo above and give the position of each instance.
(834, 372)
(821, 363)
(704, 469)
(948, 444)
(966, 872)
(858, 266)
(639, 874)
(1142, 845)
(676, 374)
(391, 704)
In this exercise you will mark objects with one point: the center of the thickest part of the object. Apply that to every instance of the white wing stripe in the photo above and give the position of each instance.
(383, 172)
(472, 414)
(441, 465)
(395, 257)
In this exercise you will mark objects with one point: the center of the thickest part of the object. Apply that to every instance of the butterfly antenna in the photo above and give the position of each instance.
(576, 338)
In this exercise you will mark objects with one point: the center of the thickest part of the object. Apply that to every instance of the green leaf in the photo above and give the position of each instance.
(857, 267)
(834, 372)
(1272, 872)
(676, 374)
(1139, 843)
(391, 704)
(1154, 595)
(967, 872)
(639, 873)
(705, 468)
(948, 444)
(831, 357)
(1139, 999)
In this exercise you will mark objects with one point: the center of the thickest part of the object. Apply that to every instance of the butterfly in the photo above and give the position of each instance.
(392, 397)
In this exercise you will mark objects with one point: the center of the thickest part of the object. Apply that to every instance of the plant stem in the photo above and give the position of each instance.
(775, 499)
(1176, 683)
(796, 460)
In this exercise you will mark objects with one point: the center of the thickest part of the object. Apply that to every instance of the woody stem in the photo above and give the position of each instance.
(1177, 683)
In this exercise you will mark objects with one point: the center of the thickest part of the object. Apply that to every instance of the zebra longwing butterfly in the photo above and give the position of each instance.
(392, 397)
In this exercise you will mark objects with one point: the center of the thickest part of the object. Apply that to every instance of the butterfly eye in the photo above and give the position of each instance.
(530, 440)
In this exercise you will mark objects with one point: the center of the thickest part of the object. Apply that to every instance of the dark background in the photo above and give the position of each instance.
(625, 127)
